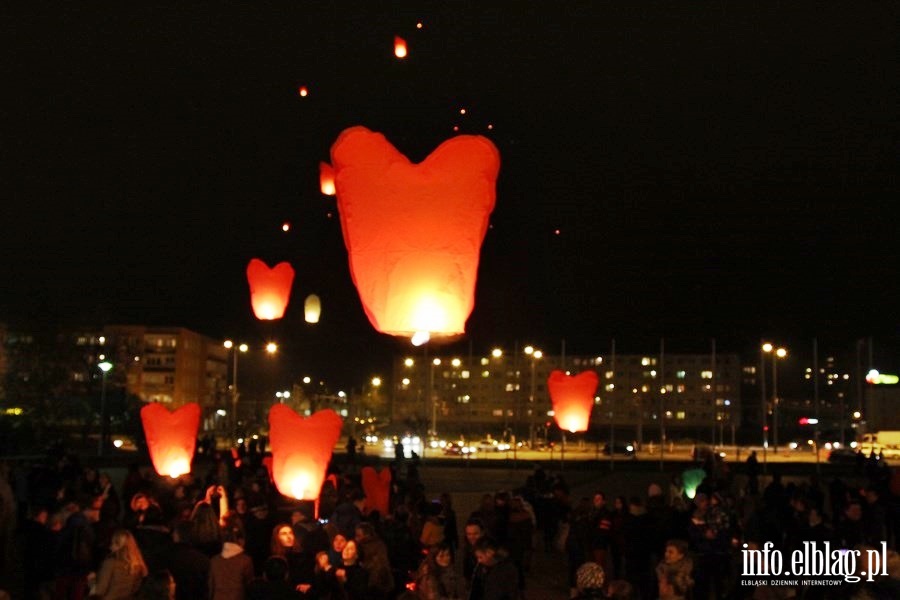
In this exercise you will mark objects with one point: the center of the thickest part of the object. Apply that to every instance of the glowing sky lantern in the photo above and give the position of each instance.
(692, 478)
(326, 179)
(312, 309)
(171, 437)
(399, 47)
(573, 398)
(414, 231)
(303, 91)
(270, 289)
(377, 487)
(301, 449)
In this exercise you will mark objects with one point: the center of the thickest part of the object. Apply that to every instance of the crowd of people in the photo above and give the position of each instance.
(225, 533)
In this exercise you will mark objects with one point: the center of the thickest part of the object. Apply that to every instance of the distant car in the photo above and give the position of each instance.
(456, 449)
(491, 446)
(842, 456)
(618, 448)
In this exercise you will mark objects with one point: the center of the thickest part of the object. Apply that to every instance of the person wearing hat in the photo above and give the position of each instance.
(589, 579)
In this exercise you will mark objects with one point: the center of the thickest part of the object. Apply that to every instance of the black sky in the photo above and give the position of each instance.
(719, 169)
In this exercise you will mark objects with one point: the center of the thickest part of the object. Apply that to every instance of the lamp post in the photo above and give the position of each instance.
(434, 363)
(234, 387)
(776, 354)
(105, 367)
(535, 356)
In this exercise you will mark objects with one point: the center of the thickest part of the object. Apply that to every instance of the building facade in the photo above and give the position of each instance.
(506, 394)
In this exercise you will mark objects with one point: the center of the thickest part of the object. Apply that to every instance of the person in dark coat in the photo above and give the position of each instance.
(273, 585)
(189, 567)
(154, 540)
(353, 576)
(347, 515)
(495, 576)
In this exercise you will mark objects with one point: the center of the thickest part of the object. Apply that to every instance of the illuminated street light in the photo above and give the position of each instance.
(409, 362)
(496, 352)
(271, 347)
(376, 381)
(105, 367)
(535, 355)
(776, 354)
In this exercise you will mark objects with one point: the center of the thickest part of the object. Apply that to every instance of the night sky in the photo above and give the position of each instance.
(716, 170)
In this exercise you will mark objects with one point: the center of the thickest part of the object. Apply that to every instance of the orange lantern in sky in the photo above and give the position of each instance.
(326, 179)
(573, 398)
(171, 437)
(270, 289)
(414, 231)
(312, 309)
(301, 449)
(399, 47)
(377, 487)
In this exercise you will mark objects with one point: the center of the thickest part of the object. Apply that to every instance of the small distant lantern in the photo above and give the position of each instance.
(303, 91)
(270, 289)
(414, 231)
(326, 179)
(573, 399)
(312, 308)
(399, 47)
(171, 437)
(301, 449)
(377, 488)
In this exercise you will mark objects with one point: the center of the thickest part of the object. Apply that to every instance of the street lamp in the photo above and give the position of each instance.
(535, 356)
(434, 363)
(776, 354)
(105, 367)
(230, 345)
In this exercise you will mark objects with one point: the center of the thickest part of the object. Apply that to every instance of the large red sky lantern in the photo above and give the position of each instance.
(573, 398)
(301, 449)
(377, 487)
(171, 437)
(414, 231)
(270, 289)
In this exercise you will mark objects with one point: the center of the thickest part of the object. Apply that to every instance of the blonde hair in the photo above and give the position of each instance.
(129, 552)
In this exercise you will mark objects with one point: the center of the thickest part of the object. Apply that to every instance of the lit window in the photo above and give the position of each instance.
(706, 374)
(645, 388)
(679, 415)
(484, 361)
(645, 361)
(510, 387)
(608, 375)
(680, 388)
(497, 412)
(464, 374)
(680, 374)
(485, 373)
(670, 387)
(610, 387)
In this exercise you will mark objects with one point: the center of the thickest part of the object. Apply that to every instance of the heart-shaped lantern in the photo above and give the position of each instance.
(270, 289)
(414, 231)
(171, 437)
(573, 398)
(301, 449)
(377, 487)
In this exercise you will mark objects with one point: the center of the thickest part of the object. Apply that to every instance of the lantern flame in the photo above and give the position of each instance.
(326, 179)
(171, 437)
(399, 47)
(420, 337)
(573, 398)
(270, 289)
(414, 231)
